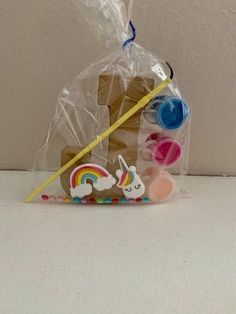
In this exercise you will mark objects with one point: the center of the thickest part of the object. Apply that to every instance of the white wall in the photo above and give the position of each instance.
(45, 43)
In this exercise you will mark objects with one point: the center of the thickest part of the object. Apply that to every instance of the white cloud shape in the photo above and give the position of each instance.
(81, 191)
(105, 183)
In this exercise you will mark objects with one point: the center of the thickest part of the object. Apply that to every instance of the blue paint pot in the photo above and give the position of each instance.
(170, 113)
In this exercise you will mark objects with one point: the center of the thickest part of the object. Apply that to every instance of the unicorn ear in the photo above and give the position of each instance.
(119, 173)
(132, 168)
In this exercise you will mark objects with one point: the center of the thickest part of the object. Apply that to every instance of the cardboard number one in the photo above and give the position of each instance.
(124, 140)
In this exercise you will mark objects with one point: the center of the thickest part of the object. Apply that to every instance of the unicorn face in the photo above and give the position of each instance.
(130, 183)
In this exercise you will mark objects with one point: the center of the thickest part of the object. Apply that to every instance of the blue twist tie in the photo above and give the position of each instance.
(130, 40)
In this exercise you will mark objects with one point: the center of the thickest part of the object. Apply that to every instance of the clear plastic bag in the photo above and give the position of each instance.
(120, 133)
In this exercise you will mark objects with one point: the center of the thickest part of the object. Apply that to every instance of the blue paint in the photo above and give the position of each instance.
(171, 113)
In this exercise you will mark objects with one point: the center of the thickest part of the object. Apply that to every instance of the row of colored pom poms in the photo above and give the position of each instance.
(90, 200)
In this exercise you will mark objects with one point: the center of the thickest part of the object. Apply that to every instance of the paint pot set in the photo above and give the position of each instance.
(169, 114)
(92, 154)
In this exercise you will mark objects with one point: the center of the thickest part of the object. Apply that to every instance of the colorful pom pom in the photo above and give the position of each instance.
(45, 197)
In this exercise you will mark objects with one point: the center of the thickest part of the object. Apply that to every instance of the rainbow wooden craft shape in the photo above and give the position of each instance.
(88, 176)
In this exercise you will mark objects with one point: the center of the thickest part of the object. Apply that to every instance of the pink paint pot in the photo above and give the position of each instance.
(163, 150)
(160, 185)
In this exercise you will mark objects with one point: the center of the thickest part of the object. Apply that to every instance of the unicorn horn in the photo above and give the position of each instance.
(123, 166)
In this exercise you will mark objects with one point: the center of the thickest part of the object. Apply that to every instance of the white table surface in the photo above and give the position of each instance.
(175, 258)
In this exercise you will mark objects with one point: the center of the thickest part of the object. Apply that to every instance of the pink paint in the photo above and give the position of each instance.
(164, 150)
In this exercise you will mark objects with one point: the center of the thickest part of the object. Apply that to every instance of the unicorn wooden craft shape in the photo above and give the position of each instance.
(130, 183)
